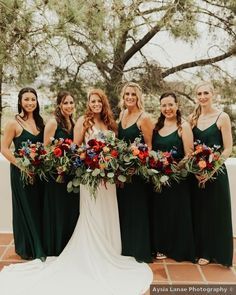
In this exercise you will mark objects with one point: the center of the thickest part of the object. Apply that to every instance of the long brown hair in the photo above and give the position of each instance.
(36, 113)
(106, 113)
(197, 111)
(161, 119)
(61, 120)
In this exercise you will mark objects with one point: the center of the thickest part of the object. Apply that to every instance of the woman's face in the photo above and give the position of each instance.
(169, 107)
(204, 95)
(28, 102)
(95, 103)
(130, 97)
(67, 106)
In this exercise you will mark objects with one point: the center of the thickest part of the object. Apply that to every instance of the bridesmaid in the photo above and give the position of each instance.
(211, 205)
(26, 199)
(133, 199)
(61, 209)
(172, 231)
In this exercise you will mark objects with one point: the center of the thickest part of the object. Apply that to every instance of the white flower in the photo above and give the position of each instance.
(164, 178)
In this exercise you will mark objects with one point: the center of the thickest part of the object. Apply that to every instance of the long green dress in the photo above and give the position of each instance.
(212, 209)
(61, 211)
(172, 229)
(133, 203)
(27, 206)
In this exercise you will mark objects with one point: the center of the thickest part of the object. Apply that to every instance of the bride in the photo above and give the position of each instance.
(91, 263)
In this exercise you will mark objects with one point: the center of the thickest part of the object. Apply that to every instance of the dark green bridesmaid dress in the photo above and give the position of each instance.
(133, 203)
(61, 211)
(171, 226)
(27, 206)
(212, 209)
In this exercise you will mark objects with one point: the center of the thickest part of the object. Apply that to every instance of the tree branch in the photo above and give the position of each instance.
(102, 67)
(199, 63)
(137, 46)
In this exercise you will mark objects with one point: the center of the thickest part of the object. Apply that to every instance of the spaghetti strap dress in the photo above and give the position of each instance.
(212, 208)
(171, 226)
(134, 209)
(61, 211)
(27, 206)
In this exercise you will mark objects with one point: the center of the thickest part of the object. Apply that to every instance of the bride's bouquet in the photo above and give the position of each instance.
(29, 158)
(204, 162)
(98, 162)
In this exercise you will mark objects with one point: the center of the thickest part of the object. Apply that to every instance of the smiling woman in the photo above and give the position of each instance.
(133, 198)
(26, 200)
(211, 205)
(61, 209)
(172, 232)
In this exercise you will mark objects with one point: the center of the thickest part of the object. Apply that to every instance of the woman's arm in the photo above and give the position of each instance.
(187, 138)
(7, 138)
(147, 126)
(49, 131)
(225, 127)
(79, 131)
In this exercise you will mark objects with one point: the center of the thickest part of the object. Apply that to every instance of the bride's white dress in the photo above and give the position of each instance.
(91, 262)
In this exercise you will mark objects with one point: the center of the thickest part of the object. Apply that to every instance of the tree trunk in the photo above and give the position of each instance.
(112, 90)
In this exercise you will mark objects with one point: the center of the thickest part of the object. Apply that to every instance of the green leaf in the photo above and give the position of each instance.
(122, 178)
(96, 172)
(76, 181)
(110, 174)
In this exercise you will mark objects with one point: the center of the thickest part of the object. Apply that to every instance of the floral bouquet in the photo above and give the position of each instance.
(58, 161)
(134, 159)
(98, 162)
(204, 162)
(162, 168)
(29, 158)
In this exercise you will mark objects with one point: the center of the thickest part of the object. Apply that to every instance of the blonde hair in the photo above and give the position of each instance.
(138, 92)
(197, 111)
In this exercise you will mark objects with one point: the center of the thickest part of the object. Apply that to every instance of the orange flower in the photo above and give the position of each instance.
(102, 166)
(202, 164)
(135, 151)
(198, 149)
(82, 156)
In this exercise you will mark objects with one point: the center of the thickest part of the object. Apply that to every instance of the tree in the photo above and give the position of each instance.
(104, 37)
(23, 36)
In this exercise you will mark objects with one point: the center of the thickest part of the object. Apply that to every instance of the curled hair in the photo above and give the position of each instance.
(36, 113)
(161, 119)
(61, 120)
(138, 92)
(197, 111)
(106, 113)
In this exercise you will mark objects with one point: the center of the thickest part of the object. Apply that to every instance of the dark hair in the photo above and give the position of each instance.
(161, 119)
(61, 120)
(36, 113)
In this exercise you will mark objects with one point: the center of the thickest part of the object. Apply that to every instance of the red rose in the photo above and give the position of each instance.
(68, 141)
(168, 170)
(114, 153)
(65, 147)
(57, 152)
(152, 163)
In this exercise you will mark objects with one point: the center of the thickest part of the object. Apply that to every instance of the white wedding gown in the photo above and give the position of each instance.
(91, 262)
